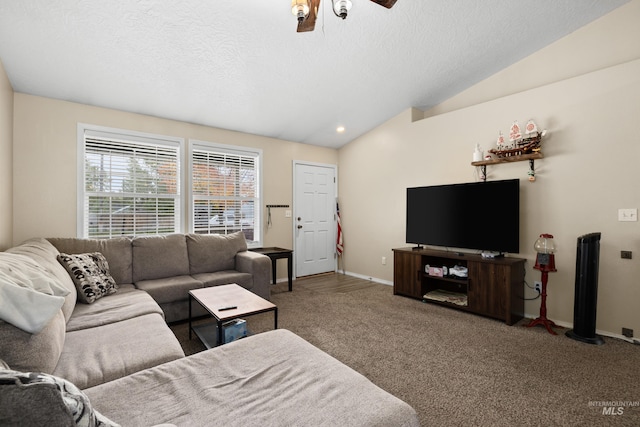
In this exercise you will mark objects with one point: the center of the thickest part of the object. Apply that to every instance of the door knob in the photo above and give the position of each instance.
(299, 227)
(299, 219)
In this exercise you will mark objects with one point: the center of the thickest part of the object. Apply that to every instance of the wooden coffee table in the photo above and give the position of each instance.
(224, 303)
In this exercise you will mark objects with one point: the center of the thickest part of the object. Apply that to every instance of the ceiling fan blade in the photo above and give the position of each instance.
(309, 23)
(386, 3)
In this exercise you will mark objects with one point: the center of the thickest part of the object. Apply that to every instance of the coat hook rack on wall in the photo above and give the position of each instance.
(269, 223)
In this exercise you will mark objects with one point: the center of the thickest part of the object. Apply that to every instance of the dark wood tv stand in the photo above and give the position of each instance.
(493, 287)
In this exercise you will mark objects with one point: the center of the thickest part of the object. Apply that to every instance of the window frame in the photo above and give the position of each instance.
(85, 130)
(257, 153)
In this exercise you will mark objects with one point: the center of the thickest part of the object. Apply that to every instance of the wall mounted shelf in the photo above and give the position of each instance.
(517, 158)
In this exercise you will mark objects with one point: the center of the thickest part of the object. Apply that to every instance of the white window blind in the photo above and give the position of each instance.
(225, 191)
(131, 185)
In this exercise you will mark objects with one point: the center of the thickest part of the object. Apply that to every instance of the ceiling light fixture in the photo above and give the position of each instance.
(340, 129)
(341, 7)
(307, 11)
(300, 9)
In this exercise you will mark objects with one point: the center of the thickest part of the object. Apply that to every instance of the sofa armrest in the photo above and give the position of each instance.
(259, 266)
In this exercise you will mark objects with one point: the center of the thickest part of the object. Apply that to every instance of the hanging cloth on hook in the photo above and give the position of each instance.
(269, 223)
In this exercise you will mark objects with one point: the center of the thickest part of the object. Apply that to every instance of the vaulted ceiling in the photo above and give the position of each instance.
(240, 65)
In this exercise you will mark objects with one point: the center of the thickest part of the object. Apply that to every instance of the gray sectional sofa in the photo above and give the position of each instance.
(168, 267)
(115, 360)
(89, 344)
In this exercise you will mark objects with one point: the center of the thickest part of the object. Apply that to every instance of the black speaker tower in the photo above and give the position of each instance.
(586, 298)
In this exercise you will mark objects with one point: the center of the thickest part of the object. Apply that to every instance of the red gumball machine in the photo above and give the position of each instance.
(545, 262)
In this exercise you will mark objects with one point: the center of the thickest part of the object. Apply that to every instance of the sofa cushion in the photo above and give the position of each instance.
(126, 304)
(156, 257)
(170, 289)
(44, 253)
(103, 353)
(117, 251)
(224, 278)
(33, 352)
(38, 399)
(214, 252)
(270, 379)
(90, 274)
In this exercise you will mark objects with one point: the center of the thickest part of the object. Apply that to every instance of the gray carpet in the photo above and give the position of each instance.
(456, 368)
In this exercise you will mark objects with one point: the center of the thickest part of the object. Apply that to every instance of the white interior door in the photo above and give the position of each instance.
(314, 221)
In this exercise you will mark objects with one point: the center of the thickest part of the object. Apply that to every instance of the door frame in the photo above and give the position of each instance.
(297, 163)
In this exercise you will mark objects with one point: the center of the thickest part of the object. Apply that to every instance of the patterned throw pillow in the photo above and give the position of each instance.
(30, 398)
(90, 273)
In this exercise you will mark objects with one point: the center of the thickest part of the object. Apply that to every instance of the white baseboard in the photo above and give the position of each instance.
(360, 276)
(569, 325)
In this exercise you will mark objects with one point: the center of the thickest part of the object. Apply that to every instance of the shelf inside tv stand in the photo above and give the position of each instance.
(493, 288)
(446, 297)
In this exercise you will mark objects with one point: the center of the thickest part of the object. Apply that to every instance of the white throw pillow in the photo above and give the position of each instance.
(29, 295)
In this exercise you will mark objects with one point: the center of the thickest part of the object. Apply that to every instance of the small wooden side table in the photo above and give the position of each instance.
(276, 253)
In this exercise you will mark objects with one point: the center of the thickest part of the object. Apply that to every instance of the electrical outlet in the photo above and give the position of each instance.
(627, 332)
(384, 260)
(538, 286)
(628, 214)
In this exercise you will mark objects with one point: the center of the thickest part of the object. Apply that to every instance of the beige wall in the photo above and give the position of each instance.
(583, 88)
(588, 173)
(6, 157)
(45, 163)
(608, 41)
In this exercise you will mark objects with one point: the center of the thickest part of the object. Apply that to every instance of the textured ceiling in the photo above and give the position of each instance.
(241, 65)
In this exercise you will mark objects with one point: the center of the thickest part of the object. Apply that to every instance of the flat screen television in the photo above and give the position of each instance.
(479, 215)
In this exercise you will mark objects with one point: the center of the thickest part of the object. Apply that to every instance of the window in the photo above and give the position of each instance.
(130, 184)
(225, 190)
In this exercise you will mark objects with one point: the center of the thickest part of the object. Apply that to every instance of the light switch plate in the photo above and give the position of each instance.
(628, 214)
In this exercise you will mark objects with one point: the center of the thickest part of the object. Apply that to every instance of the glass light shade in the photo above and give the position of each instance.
(341, 7)
(545, 244)
(300, 8)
